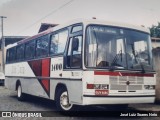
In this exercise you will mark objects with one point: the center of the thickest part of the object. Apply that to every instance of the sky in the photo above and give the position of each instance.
(24, 17)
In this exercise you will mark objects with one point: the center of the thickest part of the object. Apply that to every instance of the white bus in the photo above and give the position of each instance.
(85, 62)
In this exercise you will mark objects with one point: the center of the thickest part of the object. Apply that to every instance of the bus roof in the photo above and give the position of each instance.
(86, 22)
(117, 24)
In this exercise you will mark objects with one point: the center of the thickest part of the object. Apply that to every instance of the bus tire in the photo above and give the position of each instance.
(20, 95)
(62, 100)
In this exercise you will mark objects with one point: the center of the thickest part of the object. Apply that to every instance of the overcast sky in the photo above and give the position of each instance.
(25, 16)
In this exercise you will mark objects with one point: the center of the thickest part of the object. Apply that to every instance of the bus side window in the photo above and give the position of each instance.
(30, 50)
(74, 55)
(42, 48)
(77, 29)
(69, 53)
(12, 54)
(20, 53)
(54, 44)
(7, 56)
(58, 42)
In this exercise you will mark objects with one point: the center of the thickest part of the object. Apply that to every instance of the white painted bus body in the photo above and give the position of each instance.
(76, 80)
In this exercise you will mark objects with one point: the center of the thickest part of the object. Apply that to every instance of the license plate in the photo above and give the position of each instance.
(101, 92)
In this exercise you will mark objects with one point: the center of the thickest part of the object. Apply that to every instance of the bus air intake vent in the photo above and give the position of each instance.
(122, 80)
(118, 87)
(132, 80)
(113, 80)
(140, 80)
(134, 87)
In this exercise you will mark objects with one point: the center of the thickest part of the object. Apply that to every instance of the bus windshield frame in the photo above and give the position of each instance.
(117, 48)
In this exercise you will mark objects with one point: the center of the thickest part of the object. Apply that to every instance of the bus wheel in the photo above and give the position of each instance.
(62, 101)
(20, 95)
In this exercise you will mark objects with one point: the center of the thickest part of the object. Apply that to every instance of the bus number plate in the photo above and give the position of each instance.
(101, 92)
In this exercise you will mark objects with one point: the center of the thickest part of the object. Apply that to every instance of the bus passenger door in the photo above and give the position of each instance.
(73, 66)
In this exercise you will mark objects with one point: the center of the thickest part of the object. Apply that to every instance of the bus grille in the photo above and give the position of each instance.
(119, 83)
(134, 87)
(118, 87)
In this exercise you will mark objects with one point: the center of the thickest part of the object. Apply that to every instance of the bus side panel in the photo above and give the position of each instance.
(74, 89)
(75, 92)
(33, 87)
(71, 79)
(29, 82)
(29, 86)
(10, 83)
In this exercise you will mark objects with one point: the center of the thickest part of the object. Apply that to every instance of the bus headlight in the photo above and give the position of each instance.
(97, 86)
(104, 86)
(149, 87)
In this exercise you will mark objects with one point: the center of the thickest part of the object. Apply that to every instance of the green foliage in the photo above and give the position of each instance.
(155, 30)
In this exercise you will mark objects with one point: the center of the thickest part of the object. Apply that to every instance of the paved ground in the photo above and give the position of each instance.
(9, 102)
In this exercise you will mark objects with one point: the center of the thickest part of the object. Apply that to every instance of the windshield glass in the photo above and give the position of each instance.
(118, 48)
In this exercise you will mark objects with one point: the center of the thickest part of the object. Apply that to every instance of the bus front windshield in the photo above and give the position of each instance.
(117, 48)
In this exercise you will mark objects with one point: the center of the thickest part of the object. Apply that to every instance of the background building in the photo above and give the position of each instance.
(45, 26)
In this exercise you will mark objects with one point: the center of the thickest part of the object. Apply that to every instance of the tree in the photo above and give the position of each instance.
(155, 30)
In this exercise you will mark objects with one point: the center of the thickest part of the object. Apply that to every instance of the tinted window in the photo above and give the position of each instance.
(30, 50)
(42, 46)
(58, 42)
(117, 48)
(77, 28)
(20, 52)
(69, 54)
(76, 52)
(12, 54)
(74, 55)
(7, 56)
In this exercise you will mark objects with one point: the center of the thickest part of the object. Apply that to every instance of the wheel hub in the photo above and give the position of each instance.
(19, 91)
(64, 101)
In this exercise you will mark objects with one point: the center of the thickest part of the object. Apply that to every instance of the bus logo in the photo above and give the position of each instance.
(128, 83)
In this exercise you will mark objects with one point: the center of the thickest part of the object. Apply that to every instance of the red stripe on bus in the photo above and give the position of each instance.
(41, 68)
(36, 66)
(123, 74)
(45, 84)
(46, 73)
(45, 67)
(138, 74)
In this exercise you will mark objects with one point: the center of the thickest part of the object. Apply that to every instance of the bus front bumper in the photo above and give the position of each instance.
(98, 100)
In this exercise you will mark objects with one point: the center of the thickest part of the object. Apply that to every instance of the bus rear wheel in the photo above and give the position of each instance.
(62, 101)
(20, 95)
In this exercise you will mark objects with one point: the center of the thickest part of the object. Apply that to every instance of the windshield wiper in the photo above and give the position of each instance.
(116, 58)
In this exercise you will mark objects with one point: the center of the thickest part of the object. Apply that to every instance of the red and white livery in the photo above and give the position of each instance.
(85, 62)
